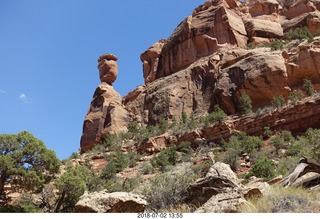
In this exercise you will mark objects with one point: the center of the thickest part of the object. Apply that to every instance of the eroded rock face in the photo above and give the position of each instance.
(150, 60)
(263, 7)
(106, 113)
(104, 202)
(200, 35)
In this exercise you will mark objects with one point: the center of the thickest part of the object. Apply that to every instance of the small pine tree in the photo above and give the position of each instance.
(245, 104)
(184, 117)
(278, 102)
(307, 85)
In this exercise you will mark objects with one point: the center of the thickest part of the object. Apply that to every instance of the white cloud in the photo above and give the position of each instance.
(23, 97)
(2, 92)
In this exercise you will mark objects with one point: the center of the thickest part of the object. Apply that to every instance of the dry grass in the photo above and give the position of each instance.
(284, 200)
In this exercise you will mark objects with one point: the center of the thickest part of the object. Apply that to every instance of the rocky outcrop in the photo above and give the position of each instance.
(104, 202)
(205, 63)
(263, 28)
(263, 7)
(106, 113)
(218, 192)
(303, 61)
(201, 34)
(150, 60)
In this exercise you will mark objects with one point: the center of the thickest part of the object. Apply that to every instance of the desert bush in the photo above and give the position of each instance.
(217, 115)
(133, 158)
(282, 140)
(26, 204)
(165, 158)
(200, 170)
(166, 191)
(130, 184)
(116, 162)
(267, 131)
(307, 85)
(300, 33)
(242, 142)
(114, 184)
(283, 200)
(277, 44)
(245, 104)
(231, 157)
(287, 164)
(278, 102)
(147, 168)
(310, 143)
(293, 97)
(263, 168)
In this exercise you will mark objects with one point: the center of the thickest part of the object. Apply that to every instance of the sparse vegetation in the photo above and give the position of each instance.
(279, 101)
(217, 115)
(283, 200)
(263, 168)
(300, 33)
(307, 85)
(245, 104)
(166, 191)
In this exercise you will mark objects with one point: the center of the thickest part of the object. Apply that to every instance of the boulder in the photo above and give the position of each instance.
(263, 28)
(223, 170)
(104, 202)
(213, 184)
(304, 63)
(263, 7)
(229, 202)
(108, 68)
(295, 8)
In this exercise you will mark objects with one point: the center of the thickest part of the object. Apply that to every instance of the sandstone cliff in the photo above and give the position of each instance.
(224, 49)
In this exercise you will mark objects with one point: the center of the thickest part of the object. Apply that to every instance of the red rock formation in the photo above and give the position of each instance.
(200, 35)
(106, 113)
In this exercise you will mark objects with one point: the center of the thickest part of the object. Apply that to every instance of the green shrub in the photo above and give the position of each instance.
(165, 158)
(251, 46)
(263, 168)
(300, 33)
(267, 131)
(185, 148)
(166, 191)
(130, 184)
(278, 102)
(231, 157)
(242, 142)
(117, 162)
(307, 85)
(293, 97)
(133, 158)
(310, 143)
(282, 140)
(147, 168)
(26, 204)
(245, 104)
(277, 45)
(200, 170)
(217, 115)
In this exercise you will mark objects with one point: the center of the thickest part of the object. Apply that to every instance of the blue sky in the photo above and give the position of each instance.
(48, 58)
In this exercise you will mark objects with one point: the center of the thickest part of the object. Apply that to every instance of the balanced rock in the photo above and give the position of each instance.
(108, 68)
(106, 114)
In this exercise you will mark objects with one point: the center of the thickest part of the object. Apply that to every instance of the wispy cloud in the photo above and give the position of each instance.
(2, 92)
(23, 97)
